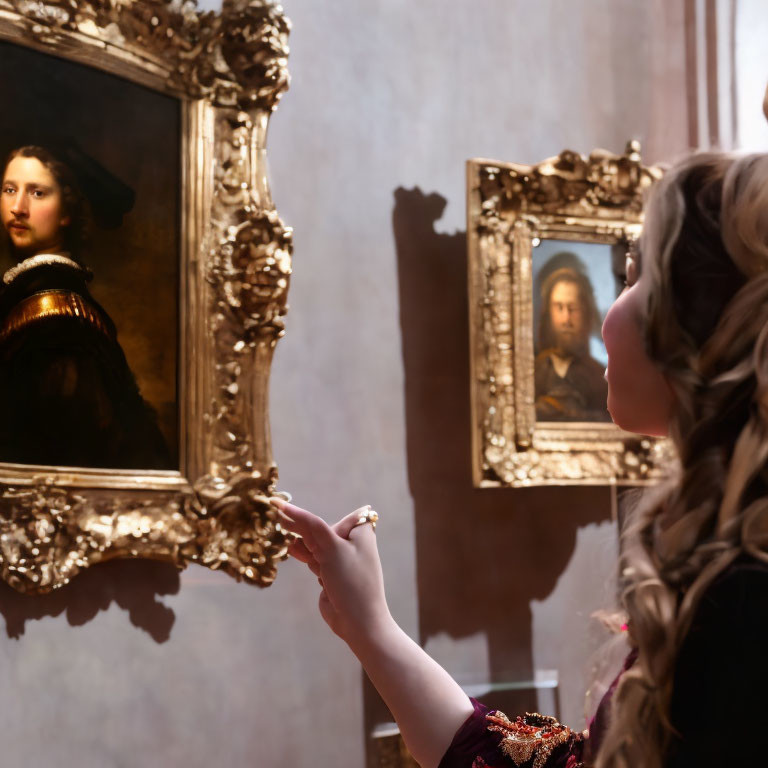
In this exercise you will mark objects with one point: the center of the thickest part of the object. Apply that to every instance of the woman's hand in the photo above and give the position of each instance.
(345, 559)
(428, 705)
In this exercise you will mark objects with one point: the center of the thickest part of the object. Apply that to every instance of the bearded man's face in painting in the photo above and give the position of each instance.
(567, 318)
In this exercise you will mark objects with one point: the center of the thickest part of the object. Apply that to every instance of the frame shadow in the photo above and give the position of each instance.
(482, 554)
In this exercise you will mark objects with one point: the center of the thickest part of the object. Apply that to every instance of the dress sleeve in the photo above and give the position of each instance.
(489, 739)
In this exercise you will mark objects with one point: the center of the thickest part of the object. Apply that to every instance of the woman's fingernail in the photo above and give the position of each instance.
(281, 515)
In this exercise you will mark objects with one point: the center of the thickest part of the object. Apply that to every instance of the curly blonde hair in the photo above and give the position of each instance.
(705, 245)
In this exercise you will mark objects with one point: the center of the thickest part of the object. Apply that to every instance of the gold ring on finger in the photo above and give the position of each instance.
(367, 516)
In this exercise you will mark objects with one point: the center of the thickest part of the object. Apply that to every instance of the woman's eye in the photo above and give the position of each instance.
(38, 194)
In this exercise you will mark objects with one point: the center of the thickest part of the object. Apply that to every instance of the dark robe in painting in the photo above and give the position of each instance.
(580, 395)
(67, 394)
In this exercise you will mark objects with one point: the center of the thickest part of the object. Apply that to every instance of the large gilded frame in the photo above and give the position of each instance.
(229, 71)
(594, 199)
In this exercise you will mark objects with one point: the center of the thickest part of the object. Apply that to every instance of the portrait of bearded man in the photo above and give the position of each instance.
(569, 383)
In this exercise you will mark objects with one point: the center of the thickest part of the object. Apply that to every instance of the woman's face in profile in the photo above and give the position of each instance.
(639, 397)
(31, 207)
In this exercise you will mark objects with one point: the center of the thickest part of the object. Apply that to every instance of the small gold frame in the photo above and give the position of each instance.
(229, 71)
(595, 199)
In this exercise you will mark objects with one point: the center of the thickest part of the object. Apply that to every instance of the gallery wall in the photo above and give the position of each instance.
(136, 665)
(374, 366)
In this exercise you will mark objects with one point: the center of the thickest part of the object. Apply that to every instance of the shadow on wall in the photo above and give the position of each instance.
(482, 555)
(133, 584)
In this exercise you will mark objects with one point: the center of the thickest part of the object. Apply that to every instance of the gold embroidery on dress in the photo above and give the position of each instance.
(530, 736)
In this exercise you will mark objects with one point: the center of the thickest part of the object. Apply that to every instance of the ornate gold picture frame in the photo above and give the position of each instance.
(583, 212)
(227, 73)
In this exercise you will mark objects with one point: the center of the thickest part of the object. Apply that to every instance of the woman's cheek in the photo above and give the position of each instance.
(621, 335)
(610, 332)
(639, 397)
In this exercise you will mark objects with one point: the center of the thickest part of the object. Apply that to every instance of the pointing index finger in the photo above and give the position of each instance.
(313, 529)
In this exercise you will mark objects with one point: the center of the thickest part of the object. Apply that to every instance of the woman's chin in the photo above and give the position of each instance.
(630, 422)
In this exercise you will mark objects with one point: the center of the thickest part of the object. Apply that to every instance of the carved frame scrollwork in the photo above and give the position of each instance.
(595, 199)
(229, 72)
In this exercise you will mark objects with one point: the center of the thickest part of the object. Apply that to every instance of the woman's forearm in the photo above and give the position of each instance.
(427, 703)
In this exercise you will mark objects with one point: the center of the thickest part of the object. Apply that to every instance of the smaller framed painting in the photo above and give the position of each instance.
(547, 252)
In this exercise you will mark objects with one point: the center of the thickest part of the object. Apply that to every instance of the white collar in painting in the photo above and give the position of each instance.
(41, 260)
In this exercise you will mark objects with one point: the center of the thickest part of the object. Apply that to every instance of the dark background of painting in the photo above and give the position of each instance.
(135, 134)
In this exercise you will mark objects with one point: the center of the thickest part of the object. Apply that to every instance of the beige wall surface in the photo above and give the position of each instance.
(134, 665)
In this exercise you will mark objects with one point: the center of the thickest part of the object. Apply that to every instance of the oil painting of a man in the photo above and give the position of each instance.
(67, 394)
(569, 382)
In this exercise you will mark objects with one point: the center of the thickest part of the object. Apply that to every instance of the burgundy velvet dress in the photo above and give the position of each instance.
(719, 704)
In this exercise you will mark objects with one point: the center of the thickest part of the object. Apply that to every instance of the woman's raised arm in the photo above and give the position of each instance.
(428, 705)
